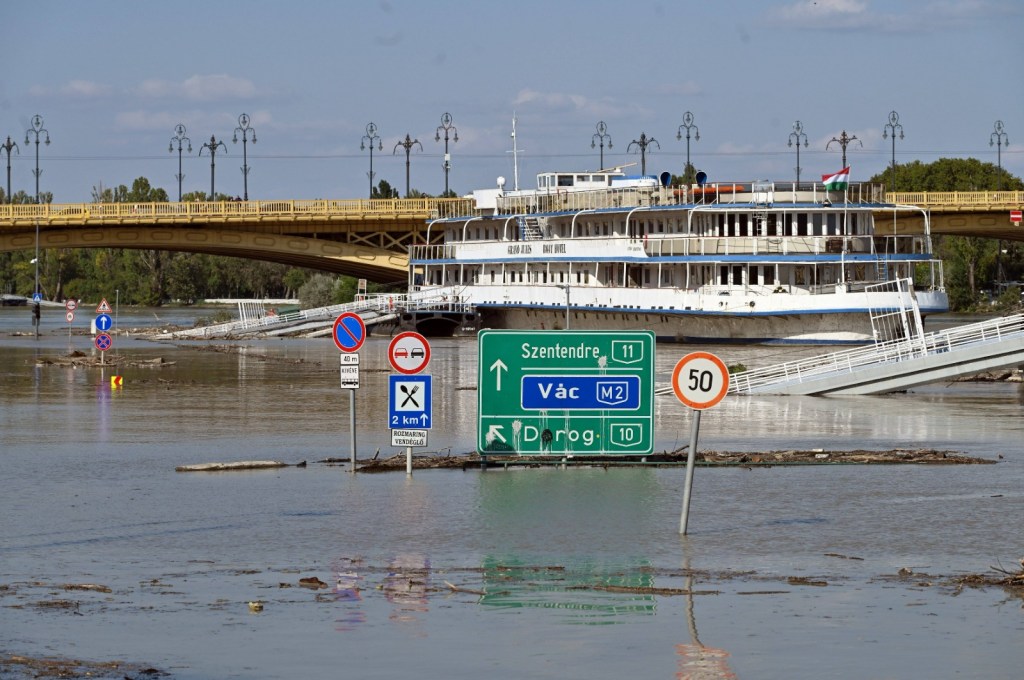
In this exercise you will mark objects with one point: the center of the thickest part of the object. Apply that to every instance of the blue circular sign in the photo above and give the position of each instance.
(349, 332)
(103, 342)
(104, 322)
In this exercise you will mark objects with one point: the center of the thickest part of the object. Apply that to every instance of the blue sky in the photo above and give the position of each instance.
(111, 79)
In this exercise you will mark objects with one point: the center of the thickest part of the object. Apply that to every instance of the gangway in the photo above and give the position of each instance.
(896, 364)
(373, 309)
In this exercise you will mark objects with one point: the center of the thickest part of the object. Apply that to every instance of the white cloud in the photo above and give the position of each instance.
(217, 87)
(85, 88)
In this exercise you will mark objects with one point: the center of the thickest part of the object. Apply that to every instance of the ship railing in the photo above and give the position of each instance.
(670, 246)
(596, 199)
(436, 298)
(936, 342)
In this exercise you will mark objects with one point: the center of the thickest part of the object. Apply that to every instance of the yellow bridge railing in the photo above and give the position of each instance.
(958, 200)
(361, 209)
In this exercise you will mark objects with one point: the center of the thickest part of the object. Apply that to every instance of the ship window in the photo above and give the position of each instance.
(832, 225)
(582, 178)
(801, 224)
(723, 276)
(565, 180)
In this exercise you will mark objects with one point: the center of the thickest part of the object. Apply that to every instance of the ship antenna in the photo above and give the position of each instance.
(515, 155)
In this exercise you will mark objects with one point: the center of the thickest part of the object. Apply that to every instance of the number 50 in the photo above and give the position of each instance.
(701, 380)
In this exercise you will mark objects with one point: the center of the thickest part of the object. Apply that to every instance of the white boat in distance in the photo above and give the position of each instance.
(753, 262)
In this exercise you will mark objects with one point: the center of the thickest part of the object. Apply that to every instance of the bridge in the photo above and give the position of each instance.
(368, 238)
(363, 238)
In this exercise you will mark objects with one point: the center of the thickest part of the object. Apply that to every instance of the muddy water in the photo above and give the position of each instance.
(558, 573)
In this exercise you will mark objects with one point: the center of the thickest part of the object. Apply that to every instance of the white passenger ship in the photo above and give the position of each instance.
(755, 262)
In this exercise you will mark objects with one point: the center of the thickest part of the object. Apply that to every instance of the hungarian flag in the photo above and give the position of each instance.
(840, 181)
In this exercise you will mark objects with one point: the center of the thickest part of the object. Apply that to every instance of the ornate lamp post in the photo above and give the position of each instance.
(598, 138)
(642, 144)
(179, 137)
(212, 146)
(688, 125)
(998, 138)
(371, 134)
(890, 128)
(446, 126)
(37, 129)
(7, 147)
(797, 134)
(843, 141)
(407, 144)
(243, 127)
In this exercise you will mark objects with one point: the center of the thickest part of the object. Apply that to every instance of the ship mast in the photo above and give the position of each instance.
(515, 155)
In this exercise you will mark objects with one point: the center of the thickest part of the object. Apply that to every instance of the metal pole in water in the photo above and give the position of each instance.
(408, 460)
(352, 428)
(690, 455)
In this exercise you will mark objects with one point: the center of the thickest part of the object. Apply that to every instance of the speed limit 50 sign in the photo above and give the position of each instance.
(700, 380)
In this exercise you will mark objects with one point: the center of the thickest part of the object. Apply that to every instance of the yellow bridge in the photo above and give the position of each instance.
(365, 238)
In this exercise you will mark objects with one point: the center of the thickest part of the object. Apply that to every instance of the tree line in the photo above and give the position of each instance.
(976, 269)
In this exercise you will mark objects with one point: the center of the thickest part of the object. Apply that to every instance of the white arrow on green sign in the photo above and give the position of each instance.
(565, 392)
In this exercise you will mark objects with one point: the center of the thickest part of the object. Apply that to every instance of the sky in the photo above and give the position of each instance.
(112, 78)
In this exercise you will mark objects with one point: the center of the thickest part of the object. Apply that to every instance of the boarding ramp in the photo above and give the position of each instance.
(895, 365)
(373, 309)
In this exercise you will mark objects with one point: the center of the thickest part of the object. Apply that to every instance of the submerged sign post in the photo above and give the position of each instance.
(565, 393)
(700, 380)
(349, 334)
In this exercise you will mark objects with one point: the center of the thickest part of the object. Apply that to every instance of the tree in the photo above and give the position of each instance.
(384, 190)
(970, 261)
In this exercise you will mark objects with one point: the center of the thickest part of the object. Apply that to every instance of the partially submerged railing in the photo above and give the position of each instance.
(860, 358)
(383, 304)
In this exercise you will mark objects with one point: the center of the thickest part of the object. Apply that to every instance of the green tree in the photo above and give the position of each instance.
(970, 262)
(384, 190)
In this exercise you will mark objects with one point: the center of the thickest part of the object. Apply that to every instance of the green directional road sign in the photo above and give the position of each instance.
(558, 393)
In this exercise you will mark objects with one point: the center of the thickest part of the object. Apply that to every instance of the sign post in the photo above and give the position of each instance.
(565, 393)
(700, 380)
(409, 395)
(349, 334)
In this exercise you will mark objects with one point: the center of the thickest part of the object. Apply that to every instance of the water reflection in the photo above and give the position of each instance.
(347, 593)
(589, 592)
(406, 586)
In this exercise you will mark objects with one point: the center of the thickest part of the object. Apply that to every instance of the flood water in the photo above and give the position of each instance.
(792, 572)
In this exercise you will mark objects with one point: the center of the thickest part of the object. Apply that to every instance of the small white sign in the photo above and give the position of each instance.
(408, 437)
(349, 371)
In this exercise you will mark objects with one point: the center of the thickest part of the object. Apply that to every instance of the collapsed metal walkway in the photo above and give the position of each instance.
(895, 365)
(373, 309)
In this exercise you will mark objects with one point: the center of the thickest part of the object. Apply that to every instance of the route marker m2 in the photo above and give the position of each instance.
(559, 393)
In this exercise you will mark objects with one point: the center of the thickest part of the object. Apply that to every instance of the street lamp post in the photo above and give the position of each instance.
(37, 129)
(407, 144)
(446, 126)
(642, 144)
(998, 138)
(7, 147)
(797, 134)
(890, 128)
(602, 132)
(688, 125)
(843, 141)
(243, 127)
(179, 137)
(371, 134)
(212, 146)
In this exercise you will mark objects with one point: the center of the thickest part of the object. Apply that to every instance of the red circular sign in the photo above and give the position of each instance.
(103, 342)
(700, 380)
(409, 353)
(71, 305)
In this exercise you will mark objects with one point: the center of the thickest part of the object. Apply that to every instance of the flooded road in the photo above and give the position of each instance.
(787, 572)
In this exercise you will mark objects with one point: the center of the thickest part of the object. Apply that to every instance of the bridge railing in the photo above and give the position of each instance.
(956, 199)
(423, 208)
